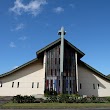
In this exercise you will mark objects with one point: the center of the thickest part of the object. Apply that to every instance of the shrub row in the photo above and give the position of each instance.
(23, 99)
(63, 98)
(76, 99)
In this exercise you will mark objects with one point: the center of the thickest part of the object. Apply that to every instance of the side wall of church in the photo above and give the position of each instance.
(27, 81)
(92, 84)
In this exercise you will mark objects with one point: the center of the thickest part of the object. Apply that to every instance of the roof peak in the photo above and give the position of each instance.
(57, 41)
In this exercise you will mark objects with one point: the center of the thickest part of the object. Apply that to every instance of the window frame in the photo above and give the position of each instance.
(18, 85)
(37, 84)
(1, 83)
(80, 86)
(93, 86)
(32, 84)
(12, 84)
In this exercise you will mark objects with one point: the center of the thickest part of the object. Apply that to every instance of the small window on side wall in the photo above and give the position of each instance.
(18, 85)
(37, 84)
(93, 86)
(80, 86)
(98, 86)
(12, 84)
(32, 84)
(0, 83)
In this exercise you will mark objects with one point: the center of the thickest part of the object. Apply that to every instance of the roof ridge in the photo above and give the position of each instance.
(56, 41)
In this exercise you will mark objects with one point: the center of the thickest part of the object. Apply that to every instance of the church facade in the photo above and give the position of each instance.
(58, 67)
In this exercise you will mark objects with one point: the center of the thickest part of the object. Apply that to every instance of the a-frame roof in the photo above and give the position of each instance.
(18, 68)
(47, 47)
(96, 71)
(58, 41)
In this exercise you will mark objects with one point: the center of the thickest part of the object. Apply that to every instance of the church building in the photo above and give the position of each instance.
(58, 67)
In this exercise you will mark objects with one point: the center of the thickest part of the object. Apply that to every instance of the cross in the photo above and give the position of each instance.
(62, 32)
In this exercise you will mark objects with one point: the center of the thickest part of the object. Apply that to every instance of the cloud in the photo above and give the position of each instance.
(12, 45)
(33, 7)
(23, 38)
(18, 27)
(58, 10)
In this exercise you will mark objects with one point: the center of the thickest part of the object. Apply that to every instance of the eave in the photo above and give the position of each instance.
(57, 41)
(96, 71)
(18, 68)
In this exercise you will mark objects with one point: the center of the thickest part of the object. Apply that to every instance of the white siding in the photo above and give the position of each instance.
(87, 78)
(34, 72)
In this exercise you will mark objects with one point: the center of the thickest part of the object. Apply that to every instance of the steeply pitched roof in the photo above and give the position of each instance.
(96, 71)
(40, 51)
(18, 68)
(75, 48)
(108, 76)
(57, 41)
(47, 47)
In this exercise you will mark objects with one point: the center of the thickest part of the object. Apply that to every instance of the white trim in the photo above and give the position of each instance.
(76, 70)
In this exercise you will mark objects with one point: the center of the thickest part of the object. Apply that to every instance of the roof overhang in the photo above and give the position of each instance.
(41, 51)
(18, 68)
(95, 71)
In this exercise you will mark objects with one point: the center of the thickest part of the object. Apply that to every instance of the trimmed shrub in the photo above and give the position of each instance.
(17, 99)
(108, 99)
(48, 92)
(23, 99)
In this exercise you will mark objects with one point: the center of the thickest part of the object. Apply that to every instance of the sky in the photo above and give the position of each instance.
(26, 26)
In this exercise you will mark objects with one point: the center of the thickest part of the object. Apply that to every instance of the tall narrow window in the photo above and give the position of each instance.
(55, 60)
(51, 83)
(32, 84)
(59, 83)
(55, 72)
(80, 86)
(98, 86)
(47, 84)
(66, 83)
(51, 60)
(70, 83)
(18, 85)
(12, 84)
(51, 72)
(59, 60)
(59, 50)
(37, 84)
(0, 83)
(93, 86)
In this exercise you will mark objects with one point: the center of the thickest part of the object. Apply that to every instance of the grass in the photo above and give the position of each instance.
(56, 105)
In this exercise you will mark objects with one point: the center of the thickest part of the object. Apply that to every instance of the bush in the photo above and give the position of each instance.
(93, 99)
(17, 99)
(48, 92)
(63, 98)
(108, 99)
(23, 99)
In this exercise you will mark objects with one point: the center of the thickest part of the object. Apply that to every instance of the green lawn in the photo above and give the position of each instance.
(56, 105)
